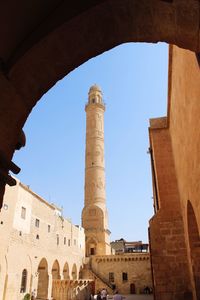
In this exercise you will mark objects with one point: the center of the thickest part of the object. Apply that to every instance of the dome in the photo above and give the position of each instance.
(95, 87)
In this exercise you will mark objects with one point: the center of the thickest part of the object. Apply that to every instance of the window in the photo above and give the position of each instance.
(5, 206)
(111, 277)
(124, 276)
(74, 242)
(69, 243)
(37, 223)
(23, 213)
(37, 237)
(49, 228)
(64, 240)
(57, 239)
(23, 281)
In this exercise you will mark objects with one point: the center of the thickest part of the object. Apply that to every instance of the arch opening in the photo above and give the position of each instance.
(43, 279)
(91, 247)
(74, 272)
(55, 271)
(66, 272)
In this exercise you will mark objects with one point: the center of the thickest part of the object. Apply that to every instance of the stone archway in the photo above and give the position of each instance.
(66, 271)
(91, 247)
(55, 271)
(74, 272)
(43, 279)
(56, 44)
(194, 243)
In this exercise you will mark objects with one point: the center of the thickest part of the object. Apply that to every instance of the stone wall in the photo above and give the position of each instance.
(167, 241)
(135, 265)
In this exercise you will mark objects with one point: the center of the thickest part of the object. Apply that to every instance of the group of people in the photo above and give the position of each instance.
(103, 295)
(147, 290)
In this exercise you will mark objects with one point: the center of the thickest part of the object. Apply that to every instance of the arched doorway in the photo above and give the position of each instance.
(55, 271)
(74, 272)
(43, 279)
(66, 271)
(132, 288)
(194, 242)
(91, 247)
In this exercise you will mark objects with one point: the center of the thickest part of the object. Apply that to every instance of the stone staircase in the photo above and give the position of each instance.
(100, 282)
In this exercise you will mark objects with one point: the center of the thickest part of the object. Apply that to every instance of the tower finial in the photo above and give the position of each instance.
(95, 94)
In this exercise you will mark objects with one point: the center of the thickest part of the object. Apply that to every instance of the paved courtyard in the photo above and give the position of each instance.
(138, 297)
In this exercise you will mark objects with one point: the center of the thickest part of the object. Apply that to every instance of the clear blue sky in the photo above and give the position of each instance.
(133, 78)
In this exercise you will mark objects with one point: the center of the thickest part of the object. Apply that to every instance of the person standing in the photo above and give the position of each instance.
(103, 294)
(117, 296)
(99, 295)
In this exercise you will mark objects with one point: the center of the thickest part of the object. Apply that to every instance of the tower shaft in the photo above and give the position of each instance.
(94, 215)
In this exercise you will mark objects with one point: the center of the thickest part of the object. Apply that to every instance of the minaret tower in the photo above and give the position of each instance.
(94, 214)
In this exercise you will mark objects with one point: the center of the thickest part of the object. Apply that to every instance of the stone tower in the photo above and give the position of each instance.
(94, 214)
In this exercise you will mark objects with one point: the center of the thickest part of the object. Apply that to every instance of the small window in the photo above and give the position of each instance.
(37, 223)
(23, 213)
(37, 237)
(124, 276)
(74, 242)
(23, 281)
(111, 277)
(49, 228)
(64, 240)
(57, 239)
(69, 243)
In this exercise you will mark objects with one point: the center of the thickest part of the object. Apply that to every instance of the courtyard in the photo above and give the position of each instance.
(138, 297)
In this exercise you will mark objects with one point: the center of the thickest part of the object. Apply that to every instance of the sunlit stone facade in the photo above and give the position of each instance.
(38, 246)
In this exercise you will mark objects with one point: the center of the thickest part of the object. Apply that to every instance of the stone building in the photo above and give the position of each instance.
(39, 247)
(123, 246)
(175, 156)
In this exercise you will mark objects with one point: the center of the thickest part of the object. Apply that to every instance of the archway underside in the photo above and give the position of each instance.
(61, 37)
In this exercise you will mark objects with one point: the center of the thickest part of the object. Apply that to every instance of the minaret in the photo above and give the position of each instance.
(94, 214)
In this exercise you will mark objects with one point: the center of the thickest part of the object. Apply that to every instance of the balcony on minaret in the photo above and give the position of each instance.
(95, 96)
